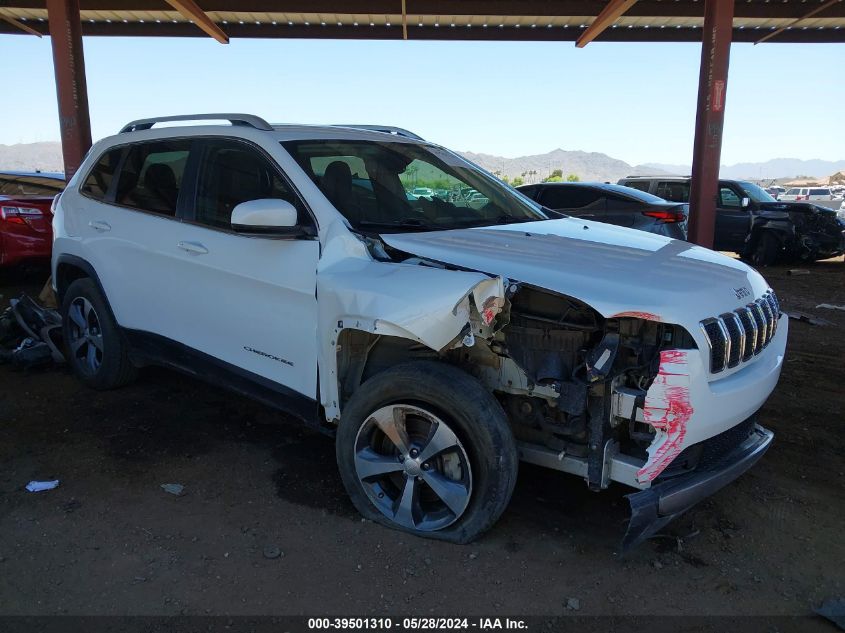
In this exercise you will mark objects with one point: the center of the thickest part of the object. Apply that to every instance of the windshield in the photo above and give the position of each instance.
(757, 194)
(396, 187)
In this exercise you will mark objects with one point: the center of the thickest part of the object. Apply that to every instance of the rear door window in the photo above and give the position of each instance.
(99, 180)
(673, 191)
(570, 197)
(151, 176)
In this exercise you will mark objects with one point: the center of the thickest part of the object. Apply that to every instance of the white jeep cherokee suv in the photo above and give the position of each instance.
(440, 342)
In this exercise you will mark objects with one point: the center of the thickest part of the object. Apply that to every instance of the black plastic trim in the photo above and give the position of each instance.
(81, 264)
(153, 349)
(654, 507)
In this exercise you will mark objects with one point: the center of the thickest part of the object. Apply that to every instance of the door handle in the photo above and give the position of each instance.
(194, 248)
(99, 225)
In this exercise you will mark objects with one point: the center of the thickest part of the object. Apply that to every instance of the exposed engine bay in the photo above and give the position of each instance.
(570, 380)
(573, 383)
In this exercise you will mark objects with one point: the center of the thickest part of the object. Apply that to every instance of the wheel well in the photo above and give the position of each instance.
(66, 274)
(361, 355)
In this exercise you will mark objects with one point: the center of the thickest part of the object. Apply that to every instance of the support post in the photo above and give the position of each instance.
(71, 87)
(709, 119)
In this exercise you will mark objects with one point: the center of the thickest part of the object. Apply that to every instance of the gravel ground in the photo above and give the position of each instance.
(264, 527)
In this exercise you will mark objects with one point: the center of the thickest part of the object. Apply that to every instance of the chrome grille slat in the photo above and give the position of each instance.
(759, 317)
(770, 321)
(736, 337)
(750, 327)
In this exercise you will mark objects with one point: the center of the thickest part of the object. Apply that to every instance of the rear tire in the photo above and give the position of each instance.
(767, 250)
(423, 448)
(94, 347)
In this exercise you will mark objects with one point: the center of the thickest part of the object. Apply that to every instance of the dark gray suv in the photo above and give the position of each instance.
(751, 223)
(604, 202)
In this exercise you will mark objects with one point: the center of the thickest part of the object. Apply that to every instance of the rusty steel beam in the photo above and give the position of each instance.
(792, 9)
(815, 11)
(611, 12)
(709, 120)
(71, 88)
(404, 21)
(20, 25)
(191, 11)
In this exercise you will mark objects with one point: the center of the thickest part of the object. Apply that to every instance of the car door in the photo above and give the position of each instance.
(246, 300)
(732, 220)
(127, 221)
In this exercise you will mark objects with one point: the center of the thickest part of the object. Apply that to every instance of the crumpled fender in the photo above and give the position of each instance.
(429, 305)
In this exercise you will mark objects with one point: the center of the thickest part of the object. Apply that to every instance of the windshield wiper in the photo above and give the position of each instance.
(407, 223)
(507, 219)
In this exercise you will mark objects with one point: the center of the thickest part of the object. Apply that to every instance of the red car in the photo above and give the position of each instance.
(26, 230)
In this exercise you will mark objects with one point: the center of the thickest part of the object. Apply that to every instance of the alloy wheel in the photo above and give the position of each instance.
(413, 467)
(86, 336)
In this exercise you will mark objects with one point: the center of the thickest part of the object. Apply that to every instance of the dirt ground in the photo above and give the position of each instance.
(109, 540)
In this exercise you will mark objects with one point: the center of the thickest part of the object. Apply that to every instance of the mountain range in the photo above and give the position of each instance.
(588, 166)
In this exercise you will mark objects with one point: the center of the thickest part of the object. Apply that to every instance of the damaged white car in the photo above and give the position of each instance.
(440, 341)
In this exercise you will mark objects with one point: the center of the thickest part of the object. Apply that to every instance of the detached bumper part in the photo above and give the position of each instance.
(653, 508)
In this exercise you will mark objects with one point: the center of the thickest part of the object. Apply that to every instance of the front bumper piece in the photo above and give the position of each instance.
(653, 508)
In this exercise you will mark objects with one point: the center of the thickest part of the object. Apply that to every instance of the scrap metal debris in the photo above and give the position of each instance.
(174, 489)
(40, 486)
(830, 306)
(808, 318)
(30, 334)
(798, 271)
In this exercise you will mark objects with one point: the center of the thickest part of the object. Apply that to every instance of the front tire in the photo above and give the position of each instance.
(424, 448)
(766, 251)
(94, 346)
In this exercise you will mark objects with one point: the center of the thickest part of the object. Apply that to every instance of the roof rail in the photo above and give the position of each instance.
(386, 129)
(248, 120)
(656, 176)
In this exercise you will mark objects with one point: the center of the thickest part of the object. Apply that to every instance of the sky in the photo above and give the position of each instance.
(632, 101)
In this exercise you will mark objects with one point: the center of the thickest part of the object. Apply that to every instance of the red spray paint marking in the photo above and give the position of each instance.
(667, 407)
(636, 315)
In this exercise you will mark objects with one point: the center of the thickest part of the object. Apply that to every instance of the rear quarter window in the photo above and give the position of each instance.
(642, 185)
(99, 180)
(673, 191)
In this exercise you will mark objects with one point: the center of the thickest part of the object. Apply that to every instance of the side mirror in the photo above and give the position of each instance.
(266, 217)
(745, 202)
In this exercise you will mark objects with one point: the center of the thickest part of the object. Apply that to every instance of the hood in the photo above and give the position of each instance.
(802, 207)
(617, 271)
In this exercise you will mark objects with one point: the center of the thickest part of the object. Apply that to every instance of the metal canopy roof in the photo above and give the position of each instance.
(811, 21)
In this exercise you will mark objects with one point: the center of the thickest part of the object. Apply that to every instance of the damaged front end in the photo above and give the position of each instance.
(604, 397)
(607, 399)
(807, 232)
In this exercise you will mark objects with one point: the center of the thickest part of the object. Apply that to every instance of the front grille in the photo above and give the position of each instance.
(736, 337)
